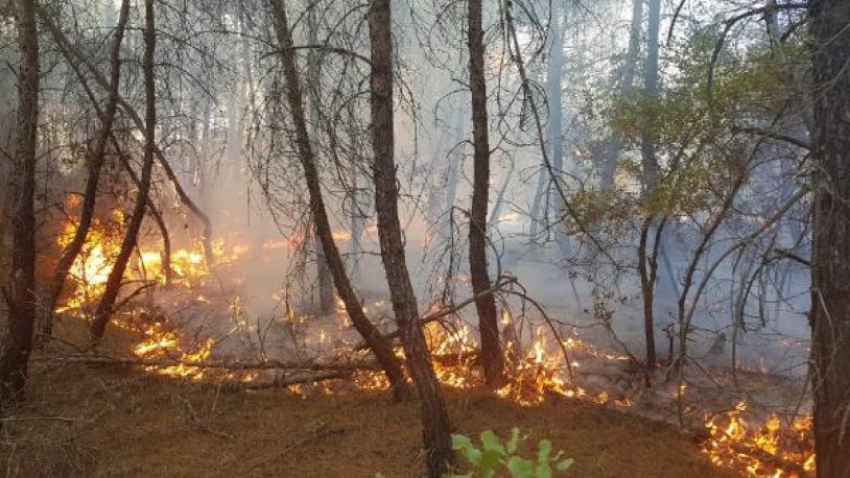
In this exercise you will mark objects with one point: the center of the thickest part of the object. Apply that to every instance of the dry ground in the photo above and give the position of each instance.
(83, 420)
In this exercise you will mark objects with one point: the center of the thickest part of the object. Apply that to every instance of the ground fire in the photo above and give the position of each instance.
(540, 367)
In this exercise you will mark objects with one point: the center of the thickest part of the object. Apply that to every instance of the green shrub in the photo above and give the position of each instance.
(494, 456)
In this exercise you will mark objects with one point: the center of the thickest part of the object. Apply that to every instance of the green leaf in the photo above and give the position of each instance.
(520, 467)
(464, 445)
(490, 459)
(513, 443)
(544, 449)
(491, 442)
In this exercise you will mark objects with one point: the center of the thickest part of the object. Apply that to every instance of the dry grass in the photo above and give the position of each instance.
(117, 421)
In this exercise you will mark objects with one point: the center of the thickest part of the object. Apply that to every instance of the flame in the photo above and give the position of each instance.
(93, 265)
(766, 450)
(535, 370)
(162, 343)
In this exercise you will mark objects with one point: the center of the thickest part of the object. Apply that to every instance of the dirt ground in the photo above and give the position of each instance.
(108, 420)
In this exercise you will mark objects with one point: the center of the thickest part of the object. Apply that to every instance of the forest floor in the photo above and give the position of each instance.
(113, 420)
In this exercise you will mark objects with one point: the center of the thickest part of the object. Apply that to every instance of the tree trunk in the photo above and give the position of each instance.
(380, 347)
(485, 304)
(95, 163)
(648, 273)
(113, 283)
(830, 311)
(437, 428)
(648, 267)
(314, 61)
(626, 88)
(554, 126)
(19, 291)
(649, 159)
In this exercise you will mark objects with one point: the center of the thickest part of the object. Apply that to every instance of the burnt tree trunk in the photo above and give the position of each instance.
(830, 312)
(113, 283)
(485, 304)
(95, 163)
(437, 428)
(379, 346)
(19, 289)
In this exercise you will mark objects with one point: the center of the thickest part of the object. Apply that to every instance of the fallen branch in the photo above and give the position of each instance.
(286, 381)
(223, 365)
(499, 286)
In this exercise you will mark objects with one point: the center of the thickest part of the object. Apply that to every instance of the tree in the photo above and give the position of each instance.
(95, 165)
(830, 309)
(19, 289)
(485, 304)
(113, 284)
(435, 419)
(377, 344)
(648, 264)
(625, 90)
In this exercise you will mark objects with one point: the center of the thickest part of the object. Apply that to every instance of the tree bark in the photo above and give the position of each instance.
(648, 273)
(485, 305)
(437, 428)
(19, 291)
(113, 283)
(830, 310)
(380, 347)
(96, 160)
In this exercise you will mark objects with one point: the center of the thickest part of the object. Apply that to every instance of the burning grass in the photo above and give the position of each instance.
(773, 449)
(120, 421)
(540, 369)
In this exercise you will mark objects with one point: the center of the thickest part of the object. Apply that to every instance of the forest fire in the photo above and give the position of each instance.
(766, 450)
(91, 268)
(162, 343)
(538, 367)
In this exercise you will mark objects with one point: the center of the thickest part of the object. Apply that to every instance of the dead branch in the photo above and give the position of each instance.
(295, 379)
(311, 366)
(503, 281)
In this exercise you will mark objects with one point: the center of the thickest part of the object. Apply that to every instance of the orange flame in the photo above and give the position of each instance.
(766, 450)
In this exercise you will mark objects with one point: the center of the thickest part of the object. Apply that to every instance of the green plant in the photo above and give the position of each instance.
(494, 455)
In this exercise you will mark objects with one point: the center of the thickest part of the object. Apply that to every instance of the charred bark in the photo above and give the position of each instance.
(485, 305)
(379, 346)
(95, 164)
(19, 290)
(113, 283)
(437, 428)
(830, 310)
